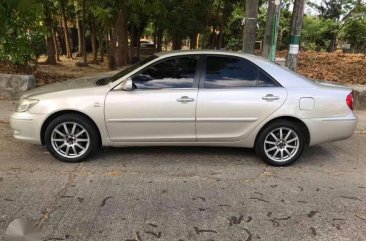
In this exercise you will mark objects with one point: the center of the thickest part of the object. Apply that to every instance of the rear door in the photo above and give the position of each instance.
(234, 96)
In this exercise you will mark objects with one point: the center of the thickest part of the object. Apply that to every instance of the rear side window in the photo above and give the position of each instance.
(178, 72)
(232, 72)
(265, 81)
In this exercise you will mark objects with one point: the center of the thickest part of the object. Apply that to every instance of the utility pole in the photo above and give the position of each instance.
(271, 30)
(297, 20)
(250, 26)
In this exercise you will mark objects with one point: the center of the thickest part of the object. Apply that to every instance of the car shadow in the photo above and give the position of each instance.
(186, 153)
(314, 155)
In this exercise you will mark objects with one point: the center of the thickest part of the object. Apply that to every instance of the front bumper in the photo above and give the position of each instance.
(324, 130)
(27, 126)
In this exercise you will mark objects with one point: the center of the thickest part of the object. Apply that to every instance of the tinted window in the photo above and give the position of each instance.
(125, 71)
(265, 81)
(171, 73)
(230, 72)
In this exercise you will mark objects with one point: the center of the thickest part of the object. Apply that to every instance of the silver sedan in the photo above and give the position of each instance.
(190, 98)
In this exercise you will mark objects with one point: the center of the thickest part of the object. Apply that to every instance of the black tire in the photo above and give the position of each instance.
(269, 156)
(90, 133)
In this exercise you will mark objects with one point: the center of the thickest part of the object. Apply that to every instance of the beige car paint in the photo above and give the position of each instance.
(219, 117)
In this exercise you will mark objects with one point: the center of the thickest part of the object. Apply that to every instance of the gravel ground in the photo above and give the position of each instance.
(181, 193)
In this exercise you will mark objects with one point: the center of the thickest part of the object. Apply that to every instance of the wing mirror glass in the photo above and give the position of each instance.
(127, 84)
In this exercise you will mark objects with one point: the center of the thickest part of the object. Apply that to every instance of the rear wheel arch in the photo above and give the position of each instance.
(63, 112)
(303, 126)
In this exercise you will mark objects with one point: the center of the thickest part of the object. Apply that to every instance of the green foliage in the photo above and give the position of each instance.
(284, 30)
(234, 44)
(234, 30)
(185, 17)
(149, 30)
(317, 33)
(333, 16)
(354, 33)
(333, 9)
(261, 21)
(20, 31)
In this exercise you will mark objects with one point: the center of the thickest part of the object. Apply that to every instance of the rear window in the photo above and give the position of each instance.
(227, 72)
(234, 72)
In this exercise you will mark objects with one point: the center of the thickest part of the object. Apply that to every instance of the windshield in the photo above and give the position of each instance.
(125, 71)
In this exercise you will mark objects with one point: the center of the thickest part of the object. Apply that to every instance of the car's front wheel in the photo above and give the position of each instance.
(280, 143)
(71, 137)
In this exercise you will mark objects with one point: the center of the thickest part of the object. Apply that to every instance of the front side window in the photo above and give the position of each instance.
(233, 72)
(177, 72)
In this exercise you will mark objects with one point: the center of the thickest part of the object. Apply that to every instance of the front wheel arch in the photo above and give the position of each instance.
(59, 113)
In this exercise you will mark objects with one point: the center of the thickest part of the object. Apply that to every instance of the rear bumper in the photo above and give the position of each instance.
(27, 126)
(324, 130)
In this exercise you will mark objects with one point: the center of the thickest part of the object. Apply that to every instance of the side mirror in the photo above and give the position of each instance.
(127, 84)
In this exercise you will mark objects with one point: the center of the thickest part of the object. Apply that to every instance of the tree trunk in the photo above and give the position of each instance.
(177, 43)
(267, 39)
(250, 26)
(132, 43)
(83, 37)
(66, 29)
(112, 63)
(159, 43)
(155, 36)
(94, 41)
(220, 39)
(138, 44)
(51, 51)
(55, 42)
(112, 50)
(297, 20)
(271, 31)
(193, 43)
(60, 40)
(122, 38)
(223, 24)
(80, 37)
(213, 39)
(101, 47)
(332, 45)
(280, 35)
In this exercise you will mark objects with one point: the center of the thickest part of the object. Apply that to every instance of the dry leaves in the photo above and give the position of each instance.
(337, 67)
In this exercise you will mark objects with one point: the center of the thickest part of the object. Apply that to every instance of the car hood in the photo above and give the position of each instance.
(79, 83)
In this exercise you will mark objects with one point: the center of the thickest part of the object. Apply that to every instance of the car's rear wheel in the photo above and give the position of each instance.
(71, 138)
(280, 143)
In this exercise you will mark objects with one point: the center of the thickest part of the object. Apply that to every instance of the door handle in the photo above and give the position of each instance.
(270, 97)
(185, 99)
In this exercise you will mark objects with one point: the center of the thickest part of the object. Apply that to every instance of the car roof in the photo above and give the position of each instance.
(199, 51)
(251, 57)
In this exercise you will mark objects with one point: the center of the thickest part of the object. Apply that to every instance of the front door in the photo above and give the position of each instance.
(234, 97)
(160, 108)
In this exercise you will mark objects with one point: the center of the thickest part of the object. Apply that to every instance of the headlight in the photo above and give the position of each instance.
(26, 104)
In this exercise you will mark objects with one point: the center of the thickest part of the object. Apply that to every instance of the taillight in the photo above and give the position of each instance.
(349, 100)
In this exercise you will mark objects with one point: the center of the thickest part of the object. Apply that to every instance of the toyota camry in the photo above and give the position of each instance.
(188, 98)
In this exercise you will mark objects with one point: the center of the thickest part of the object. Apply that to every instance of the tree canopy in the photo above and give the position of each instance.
(114, 28)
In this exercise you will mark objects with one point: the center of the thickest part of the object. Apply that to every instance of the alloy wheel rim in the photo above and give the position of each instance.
(70, 139)
(281, 144)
